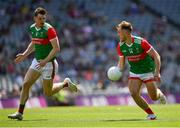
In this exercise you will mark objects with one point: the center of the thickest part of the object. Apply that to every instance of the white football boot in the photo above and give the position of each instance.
(16, 115)
(151, 117)
(71, 85)
(162, 99)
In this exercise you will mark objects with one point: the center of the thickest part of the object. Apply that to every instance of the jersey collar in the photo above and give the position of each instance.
(132, 37)
(37, 29)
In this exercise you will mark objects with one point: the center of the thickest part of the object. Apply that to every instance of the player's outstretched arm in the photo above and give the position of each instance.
(21, 56)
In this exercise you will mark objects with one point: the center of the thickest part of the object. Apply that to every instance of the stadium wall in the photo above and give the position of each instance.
(32, 102)
(90, 100)
(123, 99)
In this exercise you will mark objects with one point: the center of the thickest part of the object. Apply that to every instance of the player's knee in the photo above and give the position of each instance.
(134, 94)
(153, 97)
(26, 85)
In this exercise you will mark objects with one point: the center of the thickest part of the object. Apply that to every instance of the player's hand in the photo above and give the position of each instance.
(41, 64)
(157, 77)
(119, 67)
(19, 58)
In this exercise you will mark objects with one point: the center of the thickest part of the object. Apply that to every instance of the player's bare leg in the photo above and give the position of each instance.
(51, 88)
(30, 78)
(134, 88)
(154, 92)
(48, 87)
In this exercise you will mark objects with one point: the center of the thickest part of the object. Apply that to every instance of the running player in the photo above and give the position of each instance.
(45, 44)
(144, 63)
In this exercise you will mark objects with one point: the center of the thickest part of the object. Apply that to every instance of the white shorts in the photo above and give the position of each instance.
(145, 77)
(48, 71)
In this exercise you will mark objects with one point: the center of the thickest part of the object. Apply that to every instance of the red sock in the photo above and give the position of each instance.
(148, 111)
(21, 108)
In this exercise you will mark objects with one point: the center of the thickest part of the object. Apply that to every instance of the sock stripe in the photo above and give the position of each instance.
(148, 111)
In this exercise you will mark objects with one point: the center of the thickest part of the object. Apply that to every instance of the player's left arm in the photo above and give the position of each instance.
(54, 51)
(55, 44)
(155, 55)
(157, 59)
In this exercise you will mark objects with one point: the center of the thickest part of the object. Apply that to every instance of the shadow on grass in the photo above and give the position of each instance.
(119, 120)
(34, 120)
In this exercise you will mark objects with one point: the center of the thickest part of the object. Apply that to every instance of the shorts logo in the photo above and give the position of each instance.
(48, 77)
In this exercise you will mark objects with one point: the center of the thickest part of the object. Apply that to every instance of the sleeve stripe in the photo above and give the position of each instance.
(149, 49)
(53, 39)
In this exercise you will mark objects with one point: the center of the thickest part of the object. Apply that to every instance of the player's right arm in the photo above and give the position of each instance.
(22, 56)
(121, 62)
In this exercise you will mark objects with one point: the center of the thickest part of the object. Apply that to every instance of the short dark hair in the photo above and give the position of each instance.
(40, 10)
(125, 25)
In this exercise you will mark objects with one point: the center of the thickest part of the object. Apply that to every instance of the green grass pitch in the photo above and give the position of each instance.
(109, 116)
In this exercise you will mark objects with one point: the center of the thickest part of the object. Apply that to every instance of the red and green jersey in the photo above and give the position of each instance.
(137, 55)
(41, 38)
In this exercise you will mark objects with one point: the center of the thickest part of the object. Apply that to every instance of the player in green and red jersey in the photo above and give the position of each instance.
(45, 44)
(144, 63)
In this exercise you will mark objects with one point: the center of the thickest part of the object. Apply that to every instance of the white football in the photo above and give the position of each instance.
(114, 73)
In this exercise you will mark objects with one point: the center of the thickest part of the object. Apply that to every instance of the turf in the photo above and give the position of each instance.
(109, 116)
